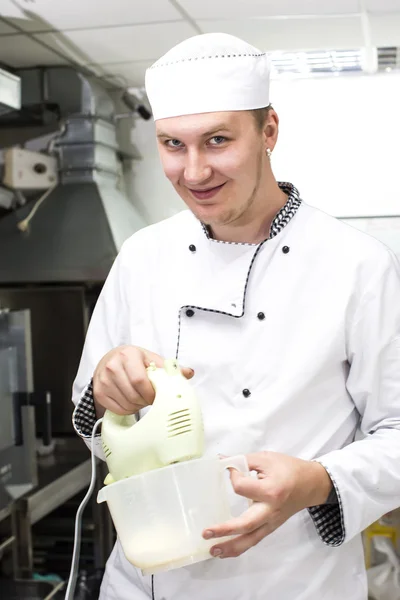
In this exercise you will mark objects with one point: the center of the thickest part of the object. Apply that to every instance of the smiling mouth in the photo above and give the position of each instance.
(206, 194)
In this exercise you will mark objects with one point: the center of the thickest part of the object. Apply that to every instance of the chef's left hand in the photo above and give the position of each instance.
(285, 486)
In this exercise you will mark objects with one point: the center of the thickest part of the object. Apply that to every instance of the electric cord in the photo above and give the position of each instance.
(24, 224)
(69, 594)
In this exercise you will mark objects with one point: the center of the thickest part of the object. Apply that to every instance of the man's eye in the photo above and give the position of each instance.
(173, 143)
(217, 140)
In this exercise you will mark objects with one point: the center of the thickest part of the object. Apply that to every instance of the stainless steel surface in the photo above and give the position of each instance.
(21, 460)
(69, 240)
(59, 318)
(60, 477)
(43, 500)
(8, 371)
(50, 93)
(74, 237)
(29, 437)
(15, 332)
(29, 590)
(57, 588)
(80, 227)
(5, 512)
(80, 130)
(8, 542)
(89, 157)
(17, 421)
(23, 549)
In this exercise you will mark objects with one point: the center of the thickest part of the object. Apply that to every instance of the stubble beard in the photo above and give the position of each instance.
(237, 214)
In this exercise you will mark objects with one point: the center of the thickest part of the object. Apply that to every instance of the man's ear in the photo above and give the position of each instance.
(271, 129)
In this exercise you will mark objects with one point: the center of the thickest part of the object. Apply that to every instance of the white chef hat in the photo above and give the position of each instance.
(212, 72)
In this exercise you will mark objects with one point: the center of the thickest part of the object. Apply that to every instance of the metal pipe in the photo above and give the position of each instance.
(8, 542)
(54, 592)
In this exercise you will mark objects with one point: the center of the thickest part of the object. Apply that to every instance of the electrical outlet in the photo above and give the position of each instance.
(24, 169)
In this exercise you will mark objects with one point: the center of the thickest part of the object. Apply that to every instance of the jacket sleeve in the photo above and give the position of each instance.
(366, 473)
(105, 331)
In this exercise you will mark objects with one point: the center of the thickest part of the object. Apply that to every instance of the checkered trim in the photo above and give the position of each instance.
(328, 522)
(157, 65)
(280, 220)
(288, 211)
(327, 518)
(84, 416)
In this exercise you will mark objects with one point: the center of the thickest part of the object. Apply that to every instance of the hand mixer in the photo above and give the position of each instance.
(171, 431)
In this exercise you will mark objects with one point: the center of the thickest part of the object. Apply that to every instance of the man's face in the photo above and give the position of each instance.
(214, 161)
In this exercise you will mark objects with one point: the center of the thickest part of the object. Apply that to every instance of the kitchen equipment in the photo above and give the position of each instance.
(30, 590)
(18, 467)
(59, 316)
(160, 515)
(160, 492)
(170, 432)
(27, 170)
(68, 126)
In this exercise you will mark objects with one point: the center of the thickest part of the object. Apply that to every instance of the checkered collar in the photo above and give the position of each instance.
(281, 219)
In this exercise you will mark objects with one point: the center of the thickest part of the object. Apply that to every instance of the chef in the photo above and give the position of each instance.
(287, 322)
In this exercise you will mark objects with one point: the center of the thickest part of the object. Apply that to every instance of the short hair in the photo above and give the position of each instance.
(260, 115)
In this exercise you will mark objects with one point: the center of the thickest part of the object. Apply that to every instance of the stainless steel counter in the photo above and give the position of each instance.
(61, 475)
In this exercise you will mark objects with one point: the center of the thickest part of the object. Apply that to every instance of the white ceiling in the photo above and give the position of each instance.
(121, 38)
(222, 9)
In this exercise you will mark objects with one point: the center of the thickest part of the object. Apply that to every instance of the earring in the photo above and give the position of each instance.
(269, 153)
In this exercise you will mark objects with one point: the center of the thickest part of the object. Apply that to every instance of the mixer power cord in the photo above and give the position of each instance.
(69, 594)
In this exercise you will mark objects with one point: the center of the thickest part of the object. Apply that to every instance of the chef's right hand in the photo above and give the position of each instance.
(120, 381)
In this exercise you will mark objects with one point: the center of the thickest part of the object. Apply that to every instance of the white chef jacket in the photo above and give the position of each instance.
(295, 343)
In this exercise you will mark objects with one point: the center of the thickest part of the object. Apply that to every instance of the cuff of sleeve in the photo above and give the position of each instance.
(84, 415)
(329, 519)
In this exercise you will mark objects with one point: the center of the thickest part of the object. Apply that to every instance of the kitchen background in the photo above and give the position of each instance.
(79, 172)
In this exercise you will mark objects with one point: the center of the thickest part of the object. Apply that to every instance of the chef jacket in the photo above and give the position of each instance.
(295, 343)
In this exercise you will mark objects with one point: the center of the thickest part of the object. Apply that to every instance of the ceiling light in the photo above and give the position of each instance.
(329, 61)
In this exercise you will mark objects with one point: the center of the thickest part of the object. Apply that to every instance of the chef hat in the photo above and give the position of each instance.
(208, 73)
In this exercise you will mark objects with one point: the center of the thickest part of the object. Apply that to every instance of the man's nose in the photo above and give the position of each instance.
(197, 169)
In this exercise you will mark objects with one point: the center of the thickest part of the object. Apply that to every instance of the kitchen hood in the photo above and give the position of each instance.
(78, 224)
(74, 237)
